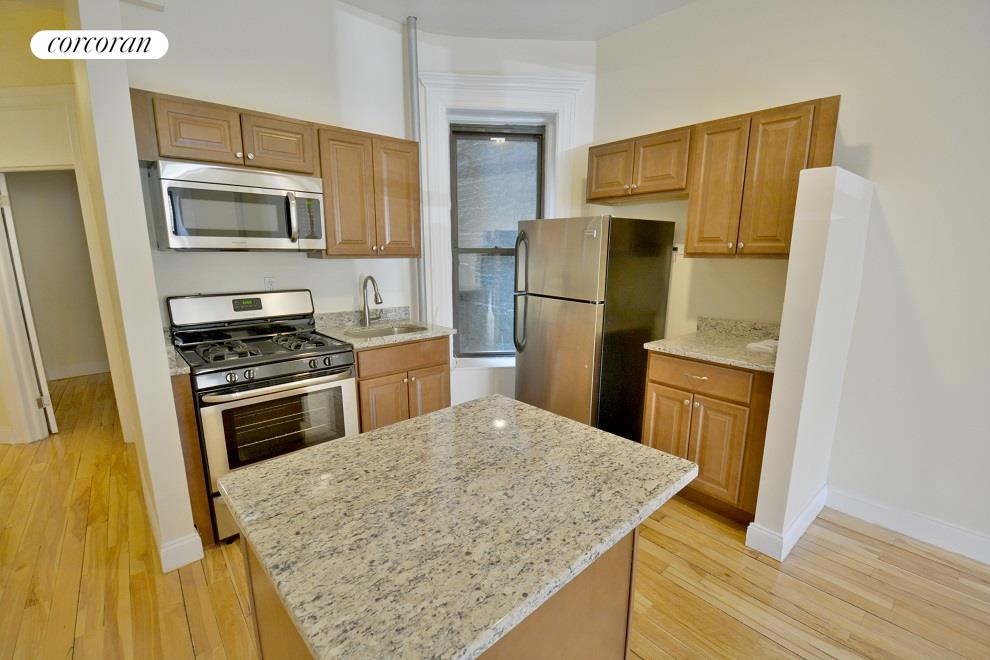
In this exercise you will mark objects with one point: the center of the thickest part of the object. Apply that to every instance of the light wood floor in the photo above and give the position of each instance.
(79, 574)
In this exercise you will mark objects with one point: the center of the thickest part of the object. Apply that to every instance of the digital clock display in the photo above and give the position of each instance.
(247, 304)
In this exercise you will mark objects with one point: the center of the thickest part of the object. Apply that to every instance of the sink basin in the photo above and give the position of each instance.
(384, 330)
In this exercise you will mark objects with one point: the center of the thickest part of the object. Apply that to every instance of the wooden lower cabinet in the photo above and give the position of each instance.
(384, 400)
(686, 413)
(402, 381)
(192, 456)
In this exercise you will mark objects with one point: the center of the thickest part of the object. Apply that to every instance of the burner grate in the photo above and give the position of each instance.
(230, 350)
(302, 341)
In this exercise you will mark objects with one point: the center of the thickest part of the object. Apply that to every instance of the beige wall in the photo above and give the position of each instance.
(52, 244)
(911, 433)
(19, 20)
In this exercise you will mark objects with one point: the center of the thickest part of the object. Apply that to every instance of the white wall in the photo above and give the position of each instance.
(317, 60)
(52, 245)
(911, 434)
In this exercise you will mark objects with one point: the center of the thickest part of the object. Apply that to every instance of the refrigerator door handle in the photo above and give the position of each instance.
(519, 342)
(521, 238)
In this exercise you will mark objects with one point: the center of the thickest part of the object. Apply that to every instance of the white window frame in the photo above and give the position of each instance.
(447, 98)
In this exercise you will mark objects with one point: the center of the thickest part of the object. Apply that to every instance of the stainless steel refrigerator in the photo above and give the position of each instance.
(589, 292)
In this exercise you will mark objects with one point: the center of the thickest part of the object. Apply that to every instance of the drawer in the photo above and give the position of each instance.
(403, 357)
(701, 377)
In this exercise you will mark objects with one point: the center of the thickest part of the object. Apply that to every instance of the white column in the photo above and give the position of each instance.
(112, 195)
(824, 277)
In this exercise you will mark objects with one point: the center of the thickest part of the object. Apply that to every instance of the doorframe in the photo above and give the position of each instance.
(20, 294)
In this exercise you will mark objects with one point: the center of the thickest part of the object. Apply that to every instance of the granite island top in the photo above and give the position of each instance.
(723, 342)
(434, 537)
(335, 324)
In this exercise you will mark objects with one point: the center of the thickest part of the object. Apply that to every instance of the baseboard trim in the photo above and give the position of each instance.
(180, 552)
(778, 546)
(76, 370)
(966, 542)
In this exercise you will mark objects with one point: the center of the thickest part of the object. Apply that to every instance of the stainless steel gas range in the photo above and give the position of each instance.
(265, 382)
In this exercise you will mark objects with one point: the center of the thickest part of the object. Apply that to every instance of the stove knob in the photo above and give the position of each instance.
(313, 364)
(231, 377)
(249, 374)
(327, 361)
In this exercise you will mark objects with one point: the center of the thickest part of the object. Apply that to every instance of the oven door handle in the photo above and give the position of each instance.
(284, 387)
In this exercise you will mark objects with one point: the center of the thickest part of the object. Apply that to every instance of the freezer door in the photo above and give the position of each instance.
(558, 353)
(564, 257)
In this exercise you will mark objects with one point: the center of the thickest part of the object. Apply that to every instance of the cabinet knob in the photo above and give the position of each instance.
(405, 380)
(741, 245)
(381, 248)
(687, 402)
(374, 248)
(730, 245)
(413, 379)
(697, 405)
(625, 187)
(250, 156)
(633, 186)
(240, 154)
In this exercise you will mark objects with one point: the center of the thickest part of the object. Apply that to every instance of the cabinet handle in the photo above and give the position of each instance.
(625, 187)
(687, 402)
(381, 248)
(413, 379)
(250, 156)
(696, 377)
(633, 186)
(741, 246)
(374, 248)
(240, 154)
(406, 380)
(730, 245)
(697, 405)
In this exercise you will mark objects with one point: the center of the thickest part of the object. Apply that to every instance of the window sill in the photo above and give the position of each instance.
(503, 362)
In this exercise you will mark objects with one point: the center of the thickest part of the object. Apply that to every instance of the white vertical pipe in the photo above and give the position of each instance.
(412, 90)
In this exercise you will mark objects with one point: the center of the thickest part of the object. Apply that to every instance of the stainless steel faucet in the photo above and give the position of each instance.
(364, 291)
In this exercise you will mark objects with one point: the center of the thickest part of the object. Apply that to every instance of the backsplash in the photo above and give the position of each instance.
(754, 329)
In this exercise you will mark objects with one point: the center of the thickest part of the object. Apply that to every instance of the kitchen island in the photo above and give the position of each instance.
(490, 527)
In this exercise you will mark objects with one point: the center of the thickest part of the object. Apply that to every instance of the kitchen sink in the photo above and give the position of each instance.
(384, 330)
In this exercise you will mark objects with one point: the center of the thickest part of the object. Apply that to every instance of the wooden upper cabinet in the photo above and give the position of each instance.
(384, 401)
(279, 144)
(718, 171)
(718, 446)
(396, 168)
(348, 192)
(779, 148)
(667, 419)
(661, 162)
(198, 131)
(429, 390)
(610, 169)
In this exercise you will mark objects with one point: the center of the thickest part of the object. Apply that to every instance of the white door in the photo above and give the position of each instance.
(44, 399)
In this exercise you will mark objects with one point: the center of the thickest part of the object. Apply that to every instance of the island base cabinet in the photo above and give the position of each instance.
(589, 618)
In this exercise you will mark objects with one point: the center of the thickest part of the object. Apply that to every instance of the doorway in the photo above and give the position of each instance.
(46, 254)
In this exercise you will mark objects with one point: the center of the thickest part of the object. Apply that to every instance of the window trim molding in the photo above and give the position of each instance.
(447, 98)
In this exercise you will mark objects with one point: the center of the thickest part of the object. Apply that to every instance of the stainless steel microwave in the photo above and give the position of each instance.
(214, 207)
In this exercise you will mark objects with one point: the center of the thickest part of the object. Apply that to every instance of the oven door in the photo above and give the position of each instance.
(240, 428)
(216, 216)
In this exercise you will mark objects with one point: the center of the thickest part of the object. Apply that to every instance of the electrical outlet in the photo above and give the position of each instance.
(269, 284)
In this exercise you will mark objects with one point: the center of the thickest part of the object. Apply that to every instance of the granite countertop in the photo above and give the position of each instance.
(724, 342)
(334, 324)
(435, 536)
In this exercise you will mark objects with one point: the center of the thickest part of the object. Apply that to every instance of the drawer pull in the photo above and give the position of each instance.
(696, 377)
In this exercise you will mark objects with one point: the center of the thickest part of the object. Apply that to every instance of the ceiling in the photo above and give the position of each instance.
(522, 19)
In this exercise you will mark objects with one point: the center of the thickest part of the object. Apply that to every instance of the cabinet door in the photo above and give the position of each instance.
(717, 445)
(667, 419)
(397, 197)
(198, 131)
(278, 144)
(718, 169)
(348, 193)
(429, 390)
(384, 401)
(779, 146)
(661, 162)
(610, 169)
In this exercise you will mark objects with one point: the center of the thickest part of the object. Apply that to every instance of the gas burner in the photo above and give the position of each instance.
(302, 341)
(230, 350)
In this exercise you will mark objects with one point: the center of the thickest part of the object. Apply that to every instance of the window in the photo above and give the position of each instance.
(496, 181)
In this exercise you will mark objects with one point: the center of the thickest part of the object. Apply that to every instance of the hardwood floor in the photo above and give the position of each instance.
(79, 573)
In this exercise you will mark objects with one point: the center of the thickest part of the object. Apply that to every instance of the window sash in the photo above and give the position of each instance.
(484, 132)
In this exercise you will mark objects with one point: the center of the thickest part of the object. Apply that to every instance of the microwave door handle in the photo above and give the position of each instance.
(284, 387)
(293, 219)
(169, 213)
